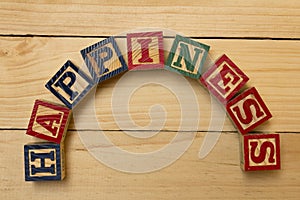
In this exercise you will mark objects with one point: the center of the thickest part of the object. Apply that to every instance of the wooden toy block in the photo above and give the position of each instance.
(223, 79)
(104, 60)
(260, 152)
(145, 50)
(49, 121)
(187, 57)
(248, 111)
(44, 161)
(70, 84)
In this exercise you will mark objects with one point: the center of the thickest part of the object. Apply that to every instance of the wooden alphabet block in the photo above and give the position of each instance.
(248, 111)
(223, 79)
(145, 50)
(44, 161)
(49, 121)
(187, 57)
(70, 84)
(104, 60)
(260, 152)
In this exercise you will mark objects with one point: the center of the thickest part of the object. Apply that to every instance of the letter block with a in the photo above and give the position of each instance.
(44, 161)
(70, 84)
(49, 121)
(187, 57)
(104, 60)
(224, 79)
(248, 110)
(260, 152)
(145, 50)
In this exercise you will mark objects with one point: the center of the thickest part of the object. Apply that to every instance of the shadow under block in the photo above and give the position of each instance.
(187, 57)
(49, 121)
(145, 50)
(104, 60)
(44, 161)
(260, 152)
(247, 111)
(223, 79)
(70, 84)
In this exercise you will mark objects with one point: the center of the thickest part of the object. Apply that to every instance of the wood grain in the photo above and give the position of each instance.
(28, 63)
(216, 177)
(279, 19)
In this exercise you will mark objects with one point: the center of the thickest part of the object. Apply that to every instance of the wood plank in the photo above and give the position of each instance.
(28, 63)
(216, 177)
(276, 19)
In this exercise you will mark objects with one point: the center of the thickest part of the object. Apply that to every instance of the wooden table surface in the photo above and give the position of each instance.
(262, 37)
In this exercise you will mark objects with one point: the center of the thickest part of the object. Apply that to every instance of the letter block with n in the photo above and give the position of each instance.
(260, 152)
(70, 84)
(248, 110)
(187, 57)
(44, 161)
(49, 121)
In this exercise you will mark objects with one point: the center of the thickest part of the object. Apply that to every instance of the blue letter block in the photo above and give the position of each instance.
(70, 84)
(104, 60)
(44, 161)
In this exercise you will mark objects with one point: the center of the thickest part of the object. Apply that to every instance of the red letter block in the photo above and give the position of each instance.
(145, 50)
(260, 152)
(49, 121)
(248, 111)
(224, 79)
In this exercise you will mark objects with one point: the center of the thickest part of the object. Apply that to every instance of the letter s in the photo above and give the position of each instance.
(263, 152)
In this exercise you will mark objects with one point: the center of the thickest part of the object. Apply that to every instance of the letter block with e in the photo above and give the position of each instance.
(260, 152)
(104, 60)
(224, 79)
(145, 50)
(70, 84)
(49, 121)
(44, 161)
(248, 110)
(187, 57)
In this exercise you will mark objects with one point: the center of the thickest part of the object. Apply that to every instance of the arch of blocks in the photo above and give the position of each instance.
(224, 80)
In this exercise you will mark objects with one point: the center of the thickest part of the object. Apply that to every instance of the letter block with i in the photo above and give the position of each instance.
(145, 50)
(44, 161)
(104, 60)
(49, 121)
(248, 110)
(70, 84)
(187, 57)
(260, 152)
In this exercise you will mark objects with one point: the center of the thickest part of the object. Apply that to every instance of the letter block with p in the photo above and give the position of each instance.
(44, 161)
(104, 60)
(260, 152)
(49, 121)
(70, 84)
(248, 110)
(224, 79)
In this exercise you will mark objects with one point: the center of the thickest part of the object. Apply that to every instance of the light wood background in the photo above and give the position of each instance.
(262, 37)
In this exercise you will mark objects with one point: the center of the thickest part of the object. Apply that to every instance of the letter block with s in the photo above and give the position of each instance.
(49, 121)
(70, 84)
(260, 152)
(248, 111)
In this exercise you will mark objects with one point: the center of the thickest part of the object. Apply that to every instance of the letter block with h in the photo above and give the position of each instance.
(187, 57)
(44, 161)
(248, 110)
(70, 84)
(260, 152)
